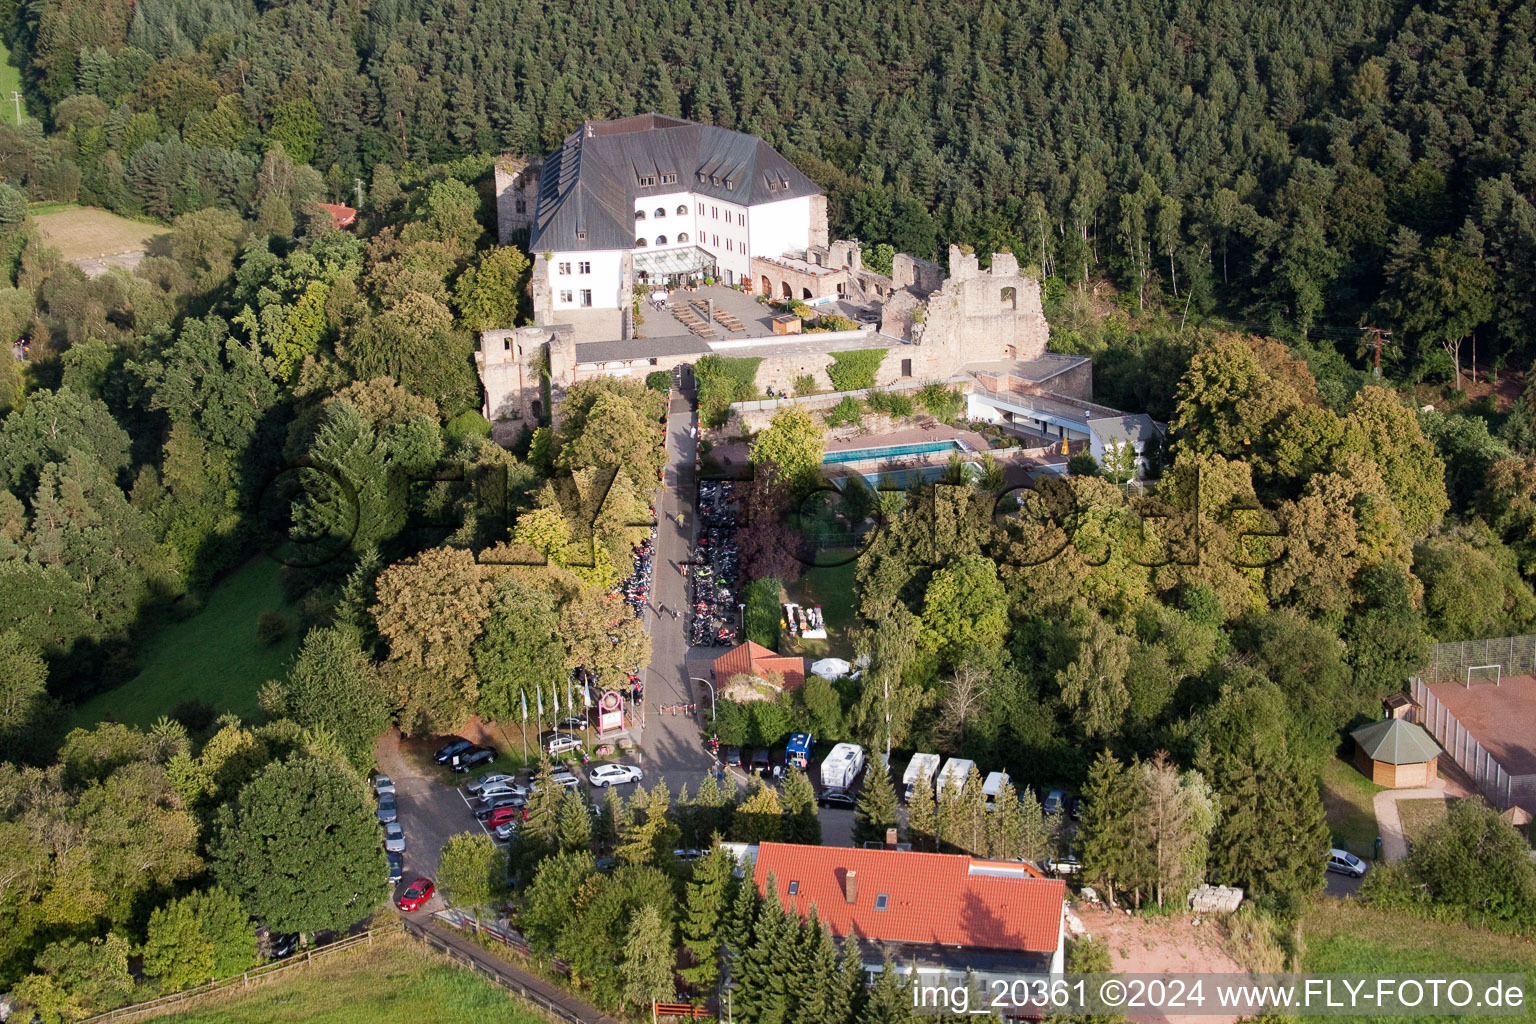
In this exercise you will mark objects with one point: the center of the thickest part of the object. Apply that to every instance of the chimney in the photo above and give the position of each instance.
(890, 839)
(851, 887)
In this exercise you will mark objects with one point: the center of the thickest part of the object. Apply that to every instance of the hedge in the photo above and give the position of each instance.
(762, 616)
(723, 381)
(847, 410)
(855, 371)
(659, 380)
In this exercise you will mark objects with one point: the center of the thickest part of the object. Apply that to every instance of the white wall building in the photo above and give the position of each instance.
(654, 199)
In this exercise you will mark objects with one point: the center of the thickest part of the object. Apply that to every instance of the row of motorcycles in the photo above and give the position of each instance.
(636, 588)
(712, 608)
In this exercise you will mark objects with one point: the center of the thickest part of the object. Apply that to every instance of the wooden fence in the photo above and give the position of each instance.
(243, 980)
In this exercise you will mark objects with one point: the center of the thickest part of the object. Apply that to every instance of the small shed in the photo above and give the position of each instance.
(1396, 753)
(787, 323)
(1400, 705)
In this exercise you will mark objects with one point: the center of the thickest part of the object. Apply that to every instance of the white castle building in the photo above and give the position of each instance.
(653, 199)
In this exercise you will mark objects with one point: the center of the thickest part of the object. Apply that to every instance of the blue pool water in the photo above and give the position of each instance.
(890, 451)
(906, 479)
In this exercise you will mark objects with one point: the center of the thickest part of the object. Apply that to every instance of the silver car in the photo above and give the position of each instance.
(383, 784)
(489, 779)
(394, 838)
(388, 812)
(491, 789)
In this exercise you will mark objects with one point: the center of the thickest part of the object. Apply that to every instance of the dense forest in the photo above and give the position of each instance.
(1309, 169)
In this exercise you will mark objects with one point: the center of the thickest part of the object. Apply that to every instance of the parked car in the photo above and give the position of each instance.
(606, 775)
(1064, 866)
(396, 866)
(417, 893)
(474, 757)
(394, 838)
(1055, 801)
(503, 832)
(495, 803)
(688, 854)
(572, 723)
(503, 789)
(562, 776)
(490, 779)
(282, 946)
(761, 762)
(457, 745)
(501, 815)
(733, 757)
(560, 743)
(1346, 863)
(388, 811)
(383, 784)
(836, 797)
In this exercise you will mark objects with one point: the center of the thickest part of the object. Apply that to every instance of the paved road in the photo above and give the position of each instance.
(673, 744)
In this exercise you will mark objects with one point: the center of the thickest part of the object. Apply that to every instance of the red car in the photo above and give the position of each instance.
(417, 893)
(501, 815)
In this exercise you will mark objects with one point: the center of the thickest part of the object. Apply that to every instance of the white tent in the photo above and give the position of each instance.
(831, 668)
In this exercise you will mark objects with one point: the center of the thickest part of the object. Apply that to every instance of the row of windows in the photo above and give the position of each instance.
(714, 179)
(682, 236)
(649, 180)
(714, 213)
(581, 268)
(585, 293)
(682, 211)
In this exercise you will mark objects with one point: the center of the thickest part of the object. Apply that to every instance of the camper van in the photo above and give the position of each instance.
(922, 768)
(954, 773)
(993, 786)
(841, 768)
(798, 753)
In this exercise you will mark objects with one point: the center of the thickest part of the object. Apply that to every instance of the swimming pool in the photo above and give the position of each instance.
(906, 479)
(891, 451)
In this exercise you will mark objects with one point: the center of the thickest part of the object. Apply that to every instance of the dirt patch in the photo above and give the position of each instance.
(83, 233)
(1162, 945)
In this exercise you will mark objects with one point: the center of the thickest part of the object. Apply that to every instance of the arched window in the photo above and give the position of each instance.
(682, 236)
(639, 215)
(640, 243)
(682, 210)
(661, 239)
(659, 212)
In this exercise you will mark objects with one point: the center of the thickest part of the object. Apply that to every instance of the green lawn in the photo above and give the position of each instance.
(10, 81)
(213, 656)
(1341, 936)
(396, 980)
(1347, 802)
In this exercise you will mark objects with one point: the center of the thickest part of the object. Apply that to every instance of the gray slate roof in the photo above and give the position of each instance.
(1138, 429)
(1394, 741)
(588, 187)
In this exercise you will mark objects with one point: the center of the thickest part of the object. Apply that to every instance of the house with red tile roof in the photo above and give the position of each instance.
(342, 216)
(757, 661)
(937, 914)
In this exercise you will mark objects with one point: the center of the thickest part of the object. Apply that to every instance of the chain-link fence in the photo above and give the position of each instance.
(1448, 663)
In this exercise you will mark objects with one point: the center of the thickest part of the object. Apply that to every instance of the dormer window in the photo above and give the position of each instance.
(669, 179)
(647, 180)
(581, 236)
(730, 185)
(714, 180)
(702, 178)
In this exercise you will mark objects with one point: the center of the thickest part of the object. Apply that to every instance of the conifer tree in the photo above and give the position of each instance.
(574, 822)
(1107, 833)
(952, 815)
(877, 809)
(850, 985)
(923, 819)
(801, 823)
(540, 833)
(759, 818)
(890, 1001)
(820, 994)
(706, 906)
(760, 993)
(712, 807)
(605, 829)
(647, 834)
(647, 963)
(1271, 836)
(740, 924)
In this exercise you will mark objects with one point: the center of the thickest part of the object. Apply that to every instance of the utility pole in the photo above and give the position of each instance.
(16, 98)
(1380, 334)
(358, 184)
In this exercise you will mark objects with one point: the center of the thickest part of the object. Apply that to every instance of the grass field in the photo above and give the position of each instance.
(395, 980)
(1341, 936)
(213, 656)
(81, 232)
(10, 81)
(1347, 802)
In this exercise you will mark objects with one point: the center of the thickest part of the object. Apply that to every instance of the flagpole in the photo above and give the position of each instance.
(525, 727)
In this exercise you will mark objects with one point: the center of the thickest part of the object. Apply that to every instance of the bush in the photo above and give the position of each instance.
(849, 410)
(763, 611)
(941, 402)
(271, 628)
(722, 381)
(855, 371)
(465, 425)
(895, 406)
(834, 322)
(805, 384)
(659, 380)
(1083, 464)
(800, 310)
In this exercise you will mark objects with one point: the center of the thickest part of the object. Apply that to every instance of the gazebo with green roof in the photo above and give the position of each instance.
(1396, 754)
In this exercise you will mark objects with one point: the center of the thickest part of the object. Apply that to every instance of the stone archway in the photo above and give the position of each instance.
(789, 292)
(805, 293)
(767, 286)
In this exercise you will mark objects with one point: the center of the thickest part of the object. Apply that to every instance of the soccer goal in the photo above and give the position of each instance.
(1484, 674)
